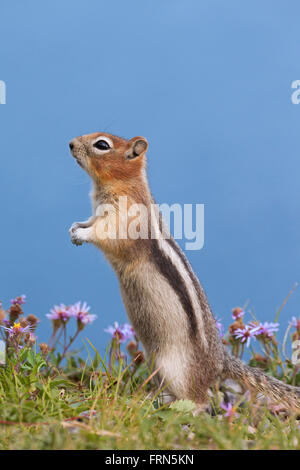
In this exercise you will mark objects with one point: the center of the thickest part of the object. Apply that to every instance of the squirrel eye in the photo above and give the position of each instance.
(101, 145)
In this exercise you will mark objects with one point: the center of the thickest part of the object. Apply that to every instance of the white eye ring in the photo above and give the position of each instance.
(106, 139)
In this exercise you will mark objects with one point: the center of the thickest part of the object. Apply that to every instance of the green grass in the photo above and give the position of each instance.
(53, 399)
(42, 406)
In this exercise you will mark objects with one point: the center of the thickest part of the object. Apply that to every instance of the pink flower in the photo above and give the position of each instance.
(237, 312)
(60, 312)
(82, 315)
(245, 334)
(266, 329)
(122, 332)
(19, 300)
(17, 330)
(228, 408)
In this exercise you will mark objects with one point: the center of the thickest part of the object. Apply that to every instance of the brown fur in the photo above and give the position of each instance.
(112, 169)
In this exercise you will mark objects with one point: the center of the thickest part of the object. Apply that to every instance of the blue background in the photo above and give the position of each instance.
(209, 84)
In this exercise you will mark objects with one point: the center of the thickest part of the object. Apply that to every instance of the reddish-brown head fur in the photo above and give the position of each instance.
(108, 158)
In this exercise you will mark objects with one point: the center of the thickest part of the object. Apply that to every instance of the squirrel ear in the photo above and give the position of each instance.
(139, 146)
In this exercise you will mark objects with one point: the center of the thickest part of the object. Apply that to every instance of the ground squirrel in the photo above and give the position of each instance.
(163, 297)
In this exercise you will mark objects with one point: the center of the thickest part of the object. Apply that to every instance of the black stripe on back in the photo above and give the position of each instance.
(193, 277)
(175, 280)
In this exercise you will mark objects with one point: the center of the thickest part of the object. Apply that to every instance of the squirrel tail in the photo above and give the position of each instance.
(258, 381)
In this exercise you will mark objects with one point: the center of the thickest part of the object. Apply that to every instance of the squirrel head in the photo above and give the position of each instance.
(108, 158)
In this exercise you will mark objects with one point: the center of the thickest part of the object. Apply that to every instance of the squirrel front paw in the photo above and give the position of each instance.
(75, 238)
